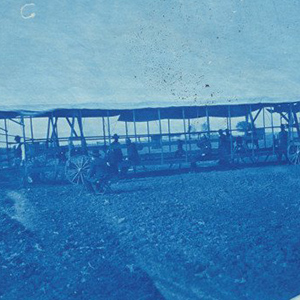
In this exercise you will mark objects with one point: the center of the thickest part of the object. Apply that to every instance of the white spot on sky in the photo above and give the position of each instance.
(25, 11)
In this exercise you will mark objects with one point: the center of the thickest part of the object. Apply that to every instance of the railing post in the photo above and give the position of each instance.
(207, 121)
(161, 137)
(230, 130)
(273, 137)
(103, 129)
(264, 124)
(185, 138)
(149, 140)
(134, 124)
(108, 128)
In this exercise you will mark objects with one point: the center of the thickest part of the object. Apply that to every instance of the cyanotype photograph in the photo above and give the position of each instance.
(150, 150)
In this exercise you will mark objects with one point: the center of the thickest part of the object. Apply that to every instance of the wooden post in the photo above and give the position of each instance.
(264, 124)
(103, 128)
(126, 129)
(161, 138)
(185, 138)
(149, 140)
(273, 137)
(6, 137)
(54, 133)
(252, 129)
(134, 124)
(207, 121)
(31, 130)
(82, 137)
(48, 132)
(189, 130)
(24, 154)
(108, 128)
(169, 133)
(230, 130)
(296, 123)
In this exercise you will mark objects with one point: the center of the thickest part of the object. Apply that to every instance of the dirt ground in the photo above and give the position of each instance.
(214, 235)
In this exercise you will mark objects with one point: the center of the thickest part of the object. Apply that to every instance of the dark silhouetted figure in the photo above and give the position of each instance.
(18, 155)
(99, 174)
(133, 154)
(179, 152)
(228, 140)
(115, 154)
(223, 153)
(282, 143)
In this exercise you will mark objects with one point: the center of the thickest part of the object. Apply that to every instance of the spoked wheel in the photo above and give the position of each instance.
(77, 169)
(293, 153)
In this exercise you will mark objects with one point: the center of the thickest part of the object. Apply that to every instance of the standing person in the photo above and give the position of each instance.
(133, 154)
(222, 147)
(228, 140)
(282, 143)
(179, 152)
(115, 154)
(18, 151)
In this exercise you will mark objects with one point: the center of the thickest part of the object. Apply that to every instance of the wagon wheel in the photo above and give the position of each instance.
(293, 153)
(77, 169)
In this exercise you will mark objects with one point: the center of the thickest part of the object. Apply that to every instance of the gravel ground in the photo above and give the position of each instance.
(215, 235)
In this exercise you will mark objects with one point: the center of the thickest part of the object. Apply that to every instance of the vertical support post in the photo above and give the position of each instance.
(108, 128)
(48, 132)
(296, 123)
(207, 121)
(31, 130)
(169, 134)
(126, 129)
(264, 124)
(103, 128)
(185, 138)
(291, 123)
(82, 137)
(72, 127)
(54, 134)
(252, 129)
(24, 154)
(134, 124)
(230, 130)
(6, 137)
(148, 134)
(161, 137)
(273, 137)
(189, 130)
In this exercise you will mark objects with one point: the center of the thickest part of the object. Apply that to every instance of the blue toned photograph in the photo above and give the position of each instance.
(150, 150)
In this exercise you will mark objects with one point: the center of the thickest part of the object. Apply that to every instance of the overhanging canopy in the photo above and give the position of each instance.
(152, 114)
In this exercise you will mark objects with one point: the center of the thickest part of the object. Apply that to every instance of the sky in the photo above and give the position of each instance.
(139, 53)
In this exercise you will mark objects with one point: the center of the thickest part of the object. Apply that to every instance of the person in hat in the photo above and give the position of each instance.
(115, 154)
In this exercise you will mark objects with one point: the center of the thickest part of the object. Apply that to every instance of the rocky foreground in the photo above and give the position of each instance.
(216, 235)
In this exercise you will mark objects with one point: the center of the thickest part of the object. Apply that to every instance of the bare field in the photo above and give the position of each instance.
(215, 235)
